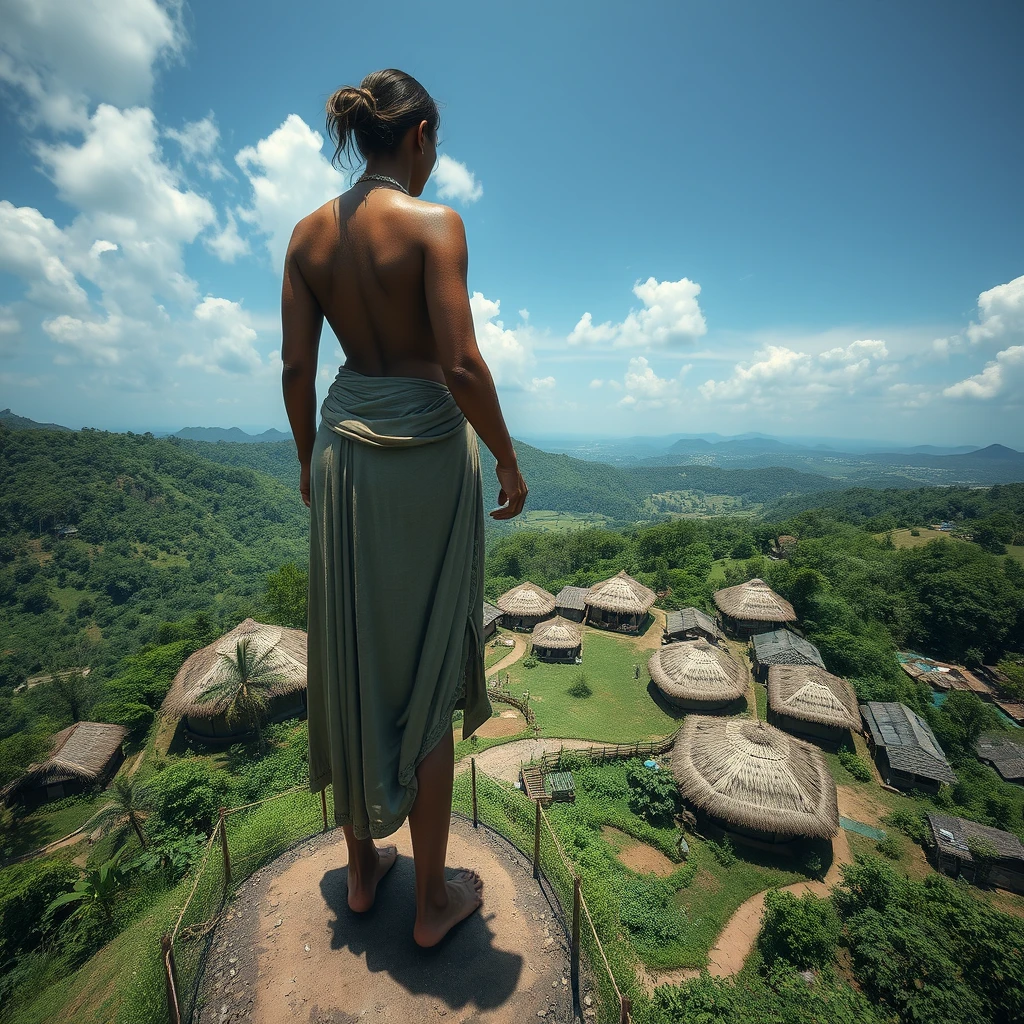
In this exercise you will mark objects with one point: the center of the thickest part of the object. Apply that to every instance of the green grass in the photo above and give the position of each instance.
(620, 709)
(44, 825)
(492, 655)
(761, 696)
(718, 567)
(903, 538)
(557, 522)
(1015, 551)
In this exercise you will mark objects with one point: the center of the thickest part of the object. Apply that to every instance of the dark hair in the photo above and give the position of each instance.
(376, 115)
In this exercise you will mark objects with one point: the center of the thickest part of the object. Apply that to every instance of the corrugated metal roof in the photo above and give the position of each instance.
(781, 647)
(908, 740)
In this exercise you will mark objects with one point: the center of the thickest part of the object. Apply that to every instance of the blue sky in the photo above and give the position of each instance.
(798, 218)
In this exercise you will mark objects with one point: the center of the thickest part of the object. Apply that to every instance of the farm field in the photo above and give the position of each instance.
(550, 521)
(904, 539)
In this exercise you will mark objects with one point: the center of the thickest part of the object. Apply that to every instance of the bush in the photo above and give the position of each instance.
(26, 890)
(855, 765)
(580, 687)
(647, 908)
(722, 851)
(187, 794)
(572, 761)
(529, 661)
(910, 824)
(802, 931)
(653, 794)
(890, 846)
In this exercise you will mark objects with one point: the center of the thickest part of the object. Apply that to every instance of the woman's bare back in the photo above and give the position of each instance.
(362, 256)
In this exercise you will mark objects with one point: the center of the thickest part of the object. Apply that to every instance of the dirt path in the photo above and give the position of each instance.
(290, 950)
(502, 762)
(521, 642)
(737, 938)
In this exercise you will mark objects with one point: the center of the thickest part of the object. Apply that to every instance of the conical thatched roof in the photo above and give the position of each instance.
(754, 776)
(696, 670)
(528, 600)
(754, 601)
(621, 594)
(81, 751)
(558, 633)
(285, 651)
(811, 694)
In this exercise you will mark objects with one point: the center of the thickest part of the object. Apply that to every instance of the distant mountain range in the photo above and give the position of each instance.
(235, 434)
(12, 421)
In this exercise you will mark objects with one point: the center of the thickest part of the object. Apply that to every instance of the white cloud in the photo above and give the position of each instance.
(596, 383)
(644, 388)
(33, 248)
(507, 352)
(63, 54)
(671, 316)
(456, 181)
(227, 244)
(542, 384)
(290, 178)
(1003, 376)
(1002, 312)
(524, 315)
(228, 339)
(198, 141)
(780, 377)
(94, 341)
(8, 321)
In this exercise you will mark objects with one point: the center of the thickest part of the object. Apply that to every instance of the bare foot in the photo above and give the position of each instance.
(464, 896)
(362, 885)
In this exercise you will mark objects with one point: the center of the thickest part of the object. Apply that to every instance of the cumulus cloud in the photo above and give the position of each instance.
(542, 384)
(1002, 312)
(783, 377)
(290, 178)
(596, 382)
(671, 316)
(227, 244)
(1004, 376)
(228, 339)
(644, 388)
(94, 341)
(507, 352)
(456, 181)
(60, 55)
(198, 141)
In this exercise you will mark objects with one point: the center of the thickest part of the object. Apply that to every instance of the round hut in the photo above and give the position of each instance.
(620, 603)
(524, 606)
(695, 675)
(280, 656)
(752, 607)
(755, 781)
(808, 701)
(557, 639)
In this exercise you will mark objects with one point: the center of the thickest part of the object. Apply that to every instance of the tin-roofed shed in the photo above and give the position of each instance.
(904, 747)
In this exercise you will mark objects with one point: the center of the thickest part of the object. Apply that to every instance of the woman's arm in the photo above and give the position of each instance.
(445, 274)
(302, 320)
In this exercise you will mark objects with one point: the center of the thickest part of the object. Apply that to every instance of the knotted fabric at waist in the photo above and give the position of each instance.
(391, 412)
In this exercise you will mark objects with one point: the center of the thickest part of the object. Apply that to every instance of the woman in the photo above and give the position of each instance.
(392, 477)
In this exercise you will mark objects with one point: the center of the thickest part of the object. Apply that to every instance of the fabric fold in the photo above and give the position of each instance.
(395, 620)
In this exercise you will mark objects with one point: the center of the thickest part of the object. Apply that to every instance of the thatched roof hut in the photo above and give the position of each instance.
(619, 603)
(807, 700)
(83, 755)
(752, 607)
(697, 675)
(556, 639)
(755, 780)
(525, 605)
(284, 653)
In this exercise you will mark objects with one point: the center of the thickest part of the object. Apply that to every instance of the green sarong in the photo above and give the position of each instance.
(396, 569)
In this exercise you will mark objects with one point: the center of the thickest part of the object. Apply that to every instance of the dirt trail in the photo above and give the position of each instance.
(737, 938)
(502, 762)
(290, 950)
(513, 656)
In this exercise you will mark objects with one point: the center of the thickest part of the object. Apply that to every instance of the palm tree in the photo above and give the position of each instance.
(248, 680)
(129, 807)
(94, 892)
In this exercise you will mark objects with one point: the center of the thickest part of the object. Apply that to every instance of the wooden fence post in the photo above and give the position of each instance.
(574, 966)
(536, 843)
(323, 806)
(170, 979)
(624, 1009)
(224, 848)
(472, 766)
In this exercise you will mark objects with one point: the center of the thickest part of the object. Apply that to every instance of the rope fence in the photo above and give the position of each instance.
(246, 838)
(607, 752)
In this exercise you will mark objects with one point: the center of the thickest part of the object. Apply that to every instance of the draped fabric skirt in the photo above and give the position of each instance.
(396, 568)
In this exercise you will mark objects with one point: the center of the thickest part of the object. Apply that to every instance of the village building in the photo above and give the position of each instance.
(282, 656)
(1013, 709)
(781, 647)
(492, 619)
(752, 607)
(620, 604)
(689, 624)
(812, 703)
(1004, 752)
(83, 757)
(557, 639)
(694, 675)
(570, 603)
(754, 781)
(904, 747)
(984, 855)
(525, 605)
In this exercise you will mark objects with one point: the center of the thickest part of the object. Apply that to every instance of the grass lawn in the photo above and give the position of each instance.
(619, 710)
(903, 538)
(495, 654)
(549, 521)
(1015, 551)
(44, 824)
(718, 567)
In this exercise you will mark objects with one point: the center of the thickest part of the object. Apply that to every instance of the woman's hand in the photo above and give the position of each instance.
(304, 483)
(512, 492)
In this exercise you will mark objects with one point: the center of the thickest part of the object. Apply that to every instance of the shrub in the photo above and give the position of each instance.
(855, 765)
(26, 890)
(572, 761)
(802, 931)
(186, 795)
(890, 846)
(722, 851)
(647, 908)
(653, 794)
(910, 824)
(529, 661)
(580, 687)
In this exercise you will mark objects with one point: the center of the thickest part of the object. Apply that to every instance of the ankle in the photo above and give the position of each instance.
(434, 900)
